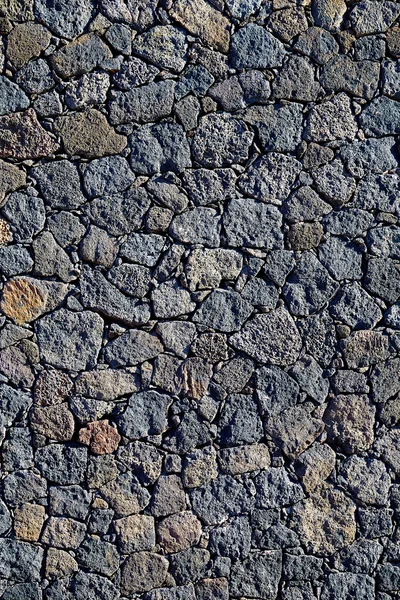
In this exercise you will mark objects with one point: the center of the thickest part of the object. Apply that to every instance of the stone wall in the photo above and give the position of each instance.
(199, 299)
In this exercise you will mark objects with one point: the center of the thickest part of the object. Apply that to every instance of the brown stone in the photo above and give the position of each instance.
(178, 532)
(196, 374)
(304, 236)
(17, 10)
(143, 571)
(89, 134)
(201, 19)
(15, 365)
(325, 521)
(11, 178)
(244, 459)
(350, 421)
(22, 137)
(102, 437)
(59, 563)
(315, 465)
(55, 422)
(28, 521)
(365, 348)
(5, 233)
(288, 23)
(52, 387)
(25, 299)
(26, 41)
(135, 533)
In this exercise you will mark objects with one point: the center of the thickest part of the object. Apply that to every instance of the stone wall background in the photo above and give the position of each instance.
(199, 328)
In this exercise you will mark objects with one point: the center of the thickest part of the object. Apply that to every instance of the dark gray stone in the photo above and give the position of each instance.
(121, 213)
(223, 310)
(252, 47)
(146, 414)
(74, 460)
(159, 147)
(239, 422)
(26, 215)
(254, 224)
(59, 184)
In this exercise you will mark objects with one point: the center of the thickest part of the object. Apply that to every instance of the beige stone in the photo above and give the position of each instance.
(26, 41)
(178, 532)
(55, 422)
(365, 348)
(350, 421)
(22, 137)
(5, 233)
(63, 533)
(28, 521)
(315, 465)
(135, 533)
(199, 467)
(143, 571)
(17, 10)
(244, 459)
(59, 564)
(201, 19)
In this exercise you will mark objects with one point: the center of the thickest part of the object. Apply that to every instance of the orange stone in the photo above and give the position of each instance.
(5, 233)
(102, 437)
(22, 301)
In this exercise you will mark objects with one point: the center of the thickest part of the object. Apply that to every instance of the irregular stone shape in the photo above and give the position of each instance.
(24, 299)
(177, 336)
(35, 77)
(122, 213)
(80, 56)
(107, 384)
(135, 534)
(380, 117)
(366, 479)
(200, 225)
(143, 460)
(55, 422)
(383, 241)
(70, 501)
(385, 383)
(28, 521)
(305, 236)
(239, 421)
(69, 338)
(59, 562)
(276, 390)
(143, 571)
(100, 436)
(22, 137)
(99, 294)
(314, 466)
(357, 78)
(309, 286)
(132, 347)
(23, 486)
(99, 556)
(160, 147)
(333, 182)
(252, 47)
(325, 521)
(17, 10)
(106, 176)
(270, 178)
(26, 41)
(194, 375)
(178, 532)
(349, 421)
(206, 268)
(346, 585)
(275, 489)
(98, 247)
(63, 533)
(224, 311)
(221, 140)
(52, 387)
(67, 19)
(296, 81)
(89, 586)
(146, 104)
(89, 90)
(15, 366)
(51, 259)
(376, 192)
(168, 496)
(355, 307)
(318, 44)
(74, 461)
(200, 467)
(342, 259)
(11, 178)
(145, 415)
(171, 300)
(204, 21)
(125, 495)
(294, 429)
(253, 224)
(209, 187)
(5, 518)
(89, 134)
(365, 348)
(12, 98)
(288, 22)
(258, 575)
(244, 459)
(20, 561)
(391, 80)
(331, 120)
(133, 280)
(373, 17)
(164, 45)
(59, 184)
(329, 13)
(271, 338)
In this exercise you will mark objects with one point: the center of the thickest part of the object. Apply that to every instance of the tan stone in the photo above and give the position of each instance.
(55, 422)
(59, 564)
(89, 134)
(178, 532)
(135, 533)
(5, 233)
(17, 10)
(196, 374)
(325, 521)
(143, 571)
(26, 41)
(25, 298)
(365, 348)
(201, 19)
(107, 384)
(22, 137)
(102, 437)
(64, 533)
(244, 459)
(315, 465)
(52, 387)
(28, 521)
(11, 178)
(200, 467)
(350, 421)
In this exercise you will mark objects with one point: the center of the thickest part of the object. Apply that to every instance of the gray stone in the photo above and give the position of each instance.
(360, 557)
(378, 192)
(67, 19)
(219, 499)
(98, 247)
(35, 77)
(146, 414)
(171, 300)
(296, 81)
(355, 307)
(384, 380)
(258, 575)
(278, 265)
(12, 98)
(381, 117)
(252, 47)
(270, 178)
(342, 259)
(366, 479)
(80, 56)
(318, 44)
(189, 565)
(384, 242)
(98, 556)
(223, 310)
(200, 225)
(61, 532)
(329, 13)
(59, 184)
(350, 222)
(382, 279)
(121, 213)
(26, 214)
(239, 421)
(68, 338)
(23, 486)
(305, 205)
(66, 228)
(120, 36)
(168, 496)
(357, 78)
(15, 260)
(334, 183)
(309, 375)
(51, 259)
(370, 47)
(125, 495)
(332, 119)
(164, 46)
(106, 176)
(74, 461)
(132, 347)
(192, 432)
(133, 72)
(369, 16)
(168, 194)
(271, 338)
(309, 286)
(349, 421)
(221, 140)
(260, 293)
(279, 128)
(20, 561)
(143, 571)
(276, 390)
(233, 540)
(145, 104)
(343, 586)
(17, 453)
(253, 224)
(206, 268)
(196, 79)
(369, 156)
(275, 489)
(184, 592)
(364, 348)
(228, 93)
(71, 501)
(159, 147)
(88, 586)
(177, 336)
(89, 90)
(133, 280)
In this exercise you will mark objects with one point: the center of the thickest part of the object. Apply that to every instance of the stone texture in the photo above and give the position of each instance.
(22, 137)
